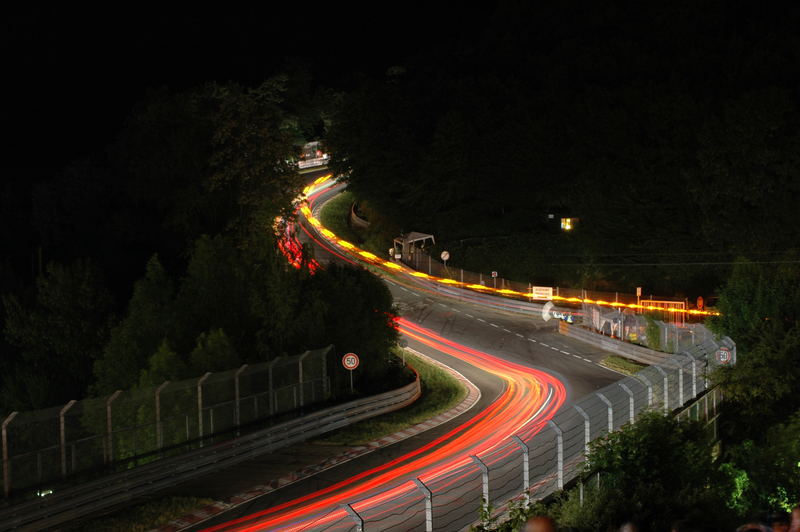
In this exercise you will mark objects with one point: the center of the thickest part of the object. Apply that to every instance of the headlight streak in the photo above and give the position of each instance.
(323, 183)
(529, 399)
(528, 392)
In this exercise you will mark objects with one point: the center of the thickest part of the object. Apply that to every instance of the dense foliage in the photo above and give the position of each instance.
(191, 188)
(671, 137)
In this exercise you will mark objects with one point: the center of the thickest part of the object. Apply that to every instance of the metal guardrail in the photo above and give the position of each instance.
(92, 497)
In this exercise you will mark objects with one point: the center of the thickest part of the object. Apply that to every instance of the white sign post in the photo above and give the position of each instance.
(541, 292)
(350, 362)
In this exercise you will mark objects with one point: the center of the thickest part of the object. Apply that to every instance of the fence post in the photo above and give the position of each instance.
(6, 463)
(586, 428)
(526, 465)
(236, 414)
(666, 388)
(649, 388)
(630, 400)
(484, 477)
(300, 377)
(560, 459)
(159, 427)
(325, 391)
(109, 426)
(63, 435)
(610, 411)
(270, 390)
(200, 382)
(694, 373)
(357, 518)
(428, 503)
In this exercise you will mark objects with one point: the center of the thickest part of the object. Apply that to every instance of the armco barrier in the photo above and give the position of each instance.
(44, 447)
(93, 497)
(635, 352)
(540, 459)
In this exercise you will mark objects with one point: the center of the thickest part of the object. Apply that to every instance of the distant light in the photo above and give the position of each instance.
(44, 493)
(568, 223)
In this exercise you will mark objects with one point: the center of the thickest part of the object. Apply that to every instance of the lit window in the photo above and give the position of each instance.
(568, 223)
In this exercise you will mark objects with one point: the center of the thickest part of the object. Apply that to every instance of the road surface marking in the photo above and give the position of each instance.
(494, 325)
(576, 356)
(532, 340)
(468, 315)
(587, 360)
(564, 352)
(481, 319)
(518, 334)
(544, 344)
(506, 330)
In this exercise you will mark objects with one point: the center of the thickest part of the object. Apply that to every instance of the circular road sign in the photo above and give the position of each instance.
(445, 255)
(723, 355)
(350, 361)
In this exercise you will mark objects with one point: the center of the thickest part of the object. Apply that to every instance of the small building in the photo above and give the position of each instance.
(409, 244)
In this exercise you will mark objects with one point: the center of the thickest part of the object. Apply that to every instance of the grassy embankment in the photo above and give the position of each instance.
(622, 364)
(334, 217)
(440, 392)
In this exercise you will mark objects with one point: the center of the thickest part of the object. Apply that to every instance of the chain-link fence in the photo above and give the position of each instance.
(142, 424)
(539, 460)
(423, 262)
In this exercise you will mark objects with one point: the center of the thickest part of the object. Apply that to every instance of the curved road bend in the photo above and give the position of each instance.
(521, 339)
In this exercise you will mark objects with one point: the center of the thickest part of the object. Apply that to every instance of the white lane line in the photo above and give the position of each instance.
(544, 344)
(518, 334)
(442, 305)
(532, 340)
(391, 282)
(403, 288)
(589, 361)
(496, 326)
(564, 352)
(468, 315)
(553, 348)
(506, 330)
(481, 319)
(576, 356)
(455, 309)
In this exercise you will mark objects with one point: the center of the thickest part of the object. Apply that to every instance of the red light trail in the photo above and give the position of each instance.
(530, 397)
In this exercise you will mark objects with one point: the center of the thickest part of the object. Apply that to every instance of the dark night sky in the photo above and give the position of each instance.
(73, 73)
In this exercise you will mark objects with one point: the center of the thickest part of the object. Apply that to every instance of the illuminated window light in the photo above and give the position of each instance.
(568, 223)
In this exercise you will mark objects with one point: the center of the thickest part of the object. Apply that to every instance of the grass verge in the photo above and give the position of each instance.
(146, 516)
(622, 364)
(440, 392)
(334, 216)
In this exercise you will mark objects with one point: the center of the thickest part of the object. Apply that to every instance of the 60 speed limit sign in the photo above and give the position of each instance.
(350, 361)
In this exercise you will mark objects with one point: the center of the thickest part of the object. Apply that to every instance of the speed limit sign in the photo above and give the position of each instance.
(350, 361)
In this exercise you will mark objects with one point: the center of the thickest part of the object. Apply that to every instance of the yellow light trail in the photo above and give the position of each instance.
(503, 292)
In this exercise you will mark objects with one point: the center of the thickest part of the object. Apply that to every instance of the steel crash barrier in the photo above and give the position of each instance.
(540, 459)
(92, 497)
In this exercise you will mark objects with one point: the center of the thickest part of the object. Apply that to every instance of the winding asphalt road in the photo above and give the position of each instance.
(523, 339)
